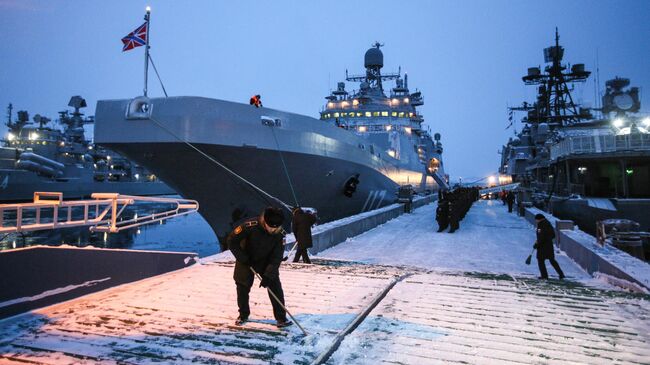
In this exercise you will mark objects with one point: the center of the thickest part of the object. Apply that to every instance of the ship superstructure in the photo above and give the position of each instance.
(577, 165)
(236, 158)
(38, 157)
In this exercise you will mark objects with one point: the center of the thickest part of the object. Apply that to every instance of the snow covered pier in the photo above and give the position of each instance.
(465, 297)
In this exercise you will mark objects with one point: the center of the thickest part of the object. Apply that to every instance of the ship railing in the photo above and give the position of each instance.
(601, 144)
(102, 213)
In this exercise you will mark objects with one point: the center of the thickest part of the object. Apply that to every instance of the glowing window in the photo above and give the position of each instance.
(384, 114)
(401, 114)
(394, 114)
(375, 114)
(359, 114)
(410, 114)
(336, 115)
(355, 102)
(368, 114)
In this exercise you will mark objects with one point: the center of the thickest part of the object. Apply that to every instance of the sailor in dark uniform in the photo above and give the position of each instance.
(544, 246)
(454, 211)
(258, 243)
(442, 214)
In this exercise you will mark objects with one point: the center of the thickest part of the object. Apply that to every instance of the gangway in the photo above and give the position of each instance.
(102, 213)
(498, 188)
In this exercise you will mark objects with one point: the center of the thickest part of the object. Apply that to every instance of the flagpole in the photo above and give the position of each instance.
(146, 50)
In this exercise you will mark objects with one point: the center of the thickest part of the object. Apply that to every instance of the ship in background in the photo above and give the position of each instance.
(235, 158)
(37, 157)
(576, 165)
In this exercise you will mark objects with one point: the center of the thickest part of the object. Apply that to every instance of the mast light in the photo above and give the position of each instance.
(148, 8)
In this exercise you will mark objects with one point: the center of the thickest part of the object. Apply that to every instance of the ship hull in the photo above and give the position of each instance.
(317, 181)
(192, 142)
(586, 215)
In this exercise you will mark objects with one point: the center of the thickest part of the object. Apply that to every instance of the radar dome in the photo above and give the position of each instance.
(374, 57)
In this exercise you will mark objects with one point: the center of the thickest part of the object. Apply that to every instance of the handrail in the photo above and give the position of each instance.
(101, 214)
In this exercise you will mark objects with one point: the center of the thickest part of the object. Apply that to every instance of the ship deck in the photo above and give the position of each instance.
(434, 298)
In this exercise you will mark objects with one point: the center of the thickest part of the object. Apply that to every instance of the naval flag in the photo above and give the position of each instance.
(136, 38)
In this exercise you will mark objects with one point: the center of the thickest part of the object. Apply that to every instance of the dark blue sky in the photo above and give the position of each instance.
(467, 57)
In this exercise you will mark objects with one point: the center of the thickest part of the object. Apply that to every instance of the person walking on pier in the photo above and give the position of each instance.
(544, 246)
(257, 244)
(301, 225)
(510, 198)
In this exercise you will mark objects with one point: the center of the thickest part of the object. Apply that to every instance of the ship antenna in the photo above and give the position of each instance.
(147, 18)
(9, 110)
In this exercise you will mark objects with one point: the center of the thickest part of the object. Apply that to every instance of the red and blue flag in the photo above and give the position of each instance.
(136, 38)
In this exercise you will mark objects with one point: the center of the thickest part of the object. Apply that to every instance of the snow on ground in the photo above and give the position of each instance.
(465, 297)
(489, 240)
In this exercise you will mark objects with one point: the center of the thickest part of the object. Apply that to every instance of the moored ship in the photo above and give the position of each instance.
(236, 158)
(578, 165)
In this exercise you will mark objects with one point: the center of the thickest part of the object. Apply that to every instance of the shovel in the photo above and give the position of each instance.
(530, 257)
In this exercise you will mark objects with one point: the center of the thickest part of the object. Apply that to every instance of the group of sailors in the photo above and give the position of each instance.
(453, 205)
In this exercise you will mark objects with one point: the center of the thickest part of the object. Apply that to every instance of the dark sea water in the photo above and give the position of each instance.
(188, 233)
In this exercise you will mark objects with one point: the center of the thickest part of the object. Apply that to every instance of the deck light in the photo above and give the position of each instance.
(394, 101)
(492, 180)
(406, 100)
(618, 123)
(391, 153)
(362, 128)
(355, 102)
(330, 105)
(345, 104)
(389, 127)
(11, 136)
(407, 130)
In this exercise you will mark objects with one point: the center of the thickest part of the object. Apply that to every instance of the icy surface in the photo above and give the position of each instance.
(466, 297)
(489, 240)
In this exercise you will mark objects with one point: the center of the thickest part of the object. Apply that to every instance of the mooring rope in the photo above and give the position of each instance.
(286, 171)
(210, 158)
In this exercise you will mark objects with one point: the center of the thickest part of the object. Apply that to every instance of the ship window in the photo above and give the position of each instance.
(401, 114)
(359, 114)
(394, 114)
(368, 114)
(410, 114)
(375, 114)
(384, 114)
(336, 115)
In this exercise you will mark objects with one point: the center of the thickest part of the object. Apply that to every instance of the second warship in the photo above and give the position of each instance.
(577, 164)
(236, 158)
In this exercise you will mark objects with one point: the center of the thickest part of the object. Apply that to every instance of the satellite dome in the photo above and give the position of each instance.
(374, 57)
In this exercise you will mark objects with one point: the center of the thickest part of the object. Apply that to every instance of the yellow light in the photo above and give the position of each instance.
(492, 180)
(11, 136)
(368, 114)
(62, 144)
(391, 153)
(363, 128)
(406, 100)
(355, 102)
(345, 104)
(389, 127)
(330, 105)
(336, 115)
(384, 114)
(33, 136)
(407, 130)
(394, 101)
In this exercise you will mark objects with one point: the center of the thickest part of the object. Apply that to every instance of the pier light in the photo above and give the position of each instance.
(407, 130)
(11, 136)
(406, 100)
(363, 128)
(389, 127)
(618, 122)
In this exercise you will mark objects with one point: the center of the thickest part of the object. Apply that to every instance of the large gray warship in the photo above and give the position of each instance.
(236, 158)
(579, 166)
(37, 157)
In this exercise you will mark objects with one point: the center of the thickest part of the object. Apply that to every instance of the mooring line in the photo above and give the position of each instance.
(324, 356)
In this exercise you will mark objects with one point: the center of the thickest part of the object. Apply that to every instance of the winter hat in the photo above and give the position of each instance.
(273, 217)
(539, 216)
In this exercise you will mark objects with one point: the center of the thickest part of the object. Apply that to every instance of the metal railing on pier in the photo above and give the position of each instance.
(102, 213)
